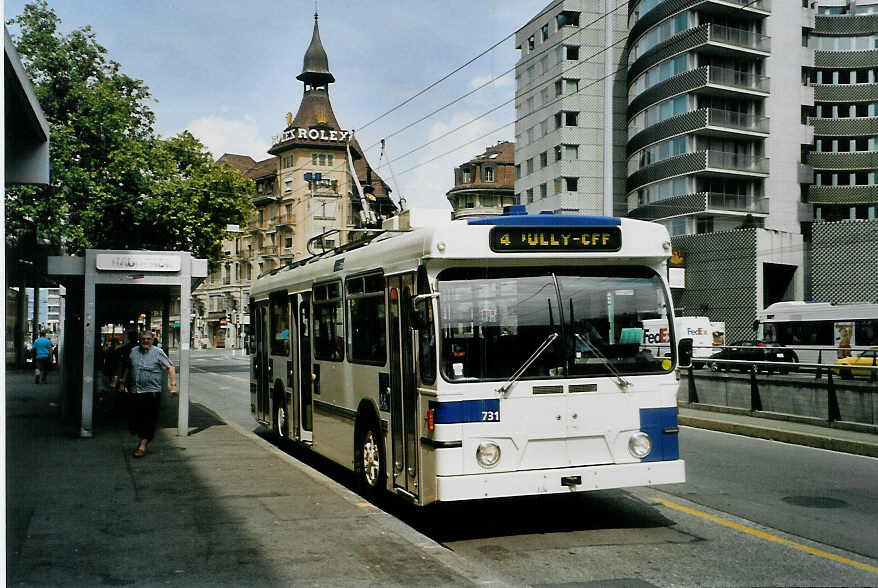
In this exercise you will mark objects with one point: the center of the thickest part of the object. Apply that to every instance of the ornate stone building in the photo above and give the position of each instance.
(306, 189)
(484, 184)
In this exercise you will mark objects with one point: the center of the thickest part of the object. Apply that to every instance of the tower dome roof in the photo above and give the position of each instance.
(315, 69)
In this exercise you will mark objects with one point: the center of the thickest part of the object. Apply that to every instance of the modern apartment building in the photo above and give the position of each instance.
(749, 130)
(307, 188)
(484, 184)
(569, 103)
(844, 196)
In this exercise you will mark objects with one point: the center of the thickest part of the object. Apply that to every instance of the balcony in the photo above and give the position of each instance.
(705, 163)
(268, 251)
(715, 202)
(844, 127)
(842, 194)
(724, 76)
(285, 220)
(739, 38)
(654, 11)
(263, 199)
(845, 92)
(706, 121)
(845, 160)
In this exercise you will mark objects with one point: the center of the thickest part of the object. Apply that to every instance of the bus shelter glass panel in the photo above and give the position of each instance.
(493, 319)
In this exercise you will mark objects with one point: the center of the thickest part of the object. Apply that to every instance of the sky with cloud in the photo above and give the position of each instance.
(225, 70)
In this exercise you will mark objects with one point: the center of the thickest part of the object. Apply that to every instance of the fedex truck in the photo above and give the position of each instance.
(705, 335)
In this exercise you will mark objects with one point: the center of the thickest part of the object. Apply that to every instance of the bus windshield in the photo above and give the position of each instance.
(493, 319)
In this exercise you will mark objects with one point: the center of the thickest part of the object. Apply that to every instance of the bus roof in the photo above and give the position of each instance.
(417, 235)
(798, 310)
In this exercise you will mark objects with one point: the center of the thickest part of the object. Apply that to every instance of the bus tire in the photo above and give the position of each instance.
(281, 414)
(369, 459)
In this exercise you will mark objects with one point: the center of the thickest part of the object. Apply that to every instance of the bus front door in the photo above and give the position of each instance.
(304, 385)
(263, 364)
(403, 387)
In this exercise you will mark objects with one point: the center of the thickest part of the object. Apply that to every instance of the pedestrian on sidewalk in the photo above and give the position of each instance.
(43, 355)
(144, 369)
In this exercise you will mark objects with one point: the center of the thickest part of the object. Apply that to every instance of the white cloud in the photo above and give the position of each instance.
(503, 81)
(427, 183)
(222, 135)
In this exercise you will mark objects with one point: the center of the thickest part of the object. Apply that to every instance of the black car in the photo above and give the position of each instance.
(754, 350)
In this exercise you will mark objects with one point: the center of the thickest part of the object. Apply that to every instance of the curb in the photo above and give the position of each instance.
(793, 437)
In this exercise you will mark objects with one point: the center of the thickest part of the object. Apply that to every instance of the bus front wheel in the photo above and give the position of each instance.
(281, 417)
(370, 462)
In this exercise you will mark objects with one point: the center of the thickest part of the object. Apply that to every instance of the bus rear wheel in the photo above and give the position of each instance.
(370, 462)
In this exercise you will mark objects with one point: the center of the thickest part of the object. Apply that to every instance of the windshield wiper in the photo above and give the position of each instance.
(622, 382)
(514, 378)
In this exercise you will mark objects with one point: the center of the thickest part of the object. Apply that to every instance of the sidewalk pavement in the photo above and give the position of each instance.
(220, 506)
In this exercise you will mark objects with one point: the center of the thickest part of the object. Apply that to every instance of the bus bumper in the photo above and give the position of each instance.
(559, 480)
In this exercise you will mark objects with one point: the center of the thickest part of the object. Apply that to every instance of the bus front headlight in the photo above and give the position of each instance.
(488, 454)
(639, 445)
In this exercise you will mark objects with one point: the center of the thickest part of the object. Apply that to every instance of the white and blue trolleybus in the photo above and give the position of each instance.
(447, 360)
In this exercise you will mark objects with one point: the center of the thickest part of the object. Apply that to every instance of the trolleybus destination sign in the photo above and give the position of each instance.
(522, 239)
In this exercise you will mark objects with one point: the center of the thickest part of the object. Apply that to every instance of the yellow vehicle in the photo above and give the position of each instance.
(868, 358)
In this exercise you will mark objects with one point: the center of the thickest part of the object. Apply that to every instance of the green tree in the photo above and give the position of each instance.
(114, 183)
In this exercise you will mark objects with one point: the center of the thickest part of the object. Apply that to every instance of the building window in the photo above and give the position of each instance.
(328, 323)
(544, 127)
(530, 43)
(366, 310)
(571, 52)
(530, 195)
(490, 174)
(544, 64)
(567, 18)
(530, 135)
(288, 242)
(571, 152)
(544, 159)
(530, 104)
(544, 96)
(313, 159)
(544, 32)
(530, 165)
(570, 118)
(543, 191)
(329, 159)
(571, 184)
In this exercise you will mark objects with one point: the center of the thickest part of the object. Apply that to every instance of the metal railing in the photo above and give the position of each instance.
(739, 37)
(737, 161)
(739, 79)
(737, 120)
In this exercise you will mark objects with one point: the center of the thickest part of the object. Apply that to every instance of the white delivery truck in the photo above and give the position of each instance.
(700, 329)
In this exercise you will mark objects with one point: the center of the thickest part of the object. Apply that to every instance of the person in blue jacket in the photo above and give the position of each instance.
(43, 357)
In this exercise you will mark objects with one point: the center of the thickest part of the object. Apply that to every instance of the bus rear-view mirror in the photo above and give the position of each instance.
(684, 352)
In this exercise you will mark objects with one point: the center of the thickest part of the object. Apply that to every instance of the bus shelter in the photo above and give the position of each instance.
(126, 288)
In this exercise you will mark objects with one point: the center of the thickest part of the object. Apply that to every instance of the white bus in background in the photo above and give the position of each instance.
(819, 330)
(705, 335)
(447, 360)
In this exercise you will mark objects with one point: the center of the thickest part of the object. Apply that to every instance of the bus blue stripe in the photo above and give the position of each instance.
(466, 411)
(654, 422)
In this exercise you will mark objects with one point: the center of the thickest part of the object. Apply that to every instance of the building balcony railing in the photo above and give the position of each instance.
(842, 194)
(737, 202)
(844, 127)
(737, 162)
(739, 37)
(698, 202)
(738, 79)
(268, 251)
(737, 120)
(284, 220)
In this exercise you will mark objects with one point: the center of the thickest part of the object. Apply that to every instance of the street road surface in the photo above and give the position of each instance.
(752, 512)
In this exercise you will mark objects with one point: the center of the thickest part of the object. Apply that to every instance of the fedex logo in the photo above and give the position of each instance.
(696, 332)
(662, 336)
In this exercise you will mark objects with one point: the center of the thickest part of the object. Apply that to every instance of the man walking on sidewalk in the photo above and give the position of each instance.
(43, 357)
(145, 365)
